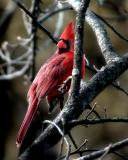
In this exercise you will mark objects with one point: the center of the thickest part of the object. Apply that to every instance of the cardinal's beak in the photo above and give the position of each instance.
(61, 44)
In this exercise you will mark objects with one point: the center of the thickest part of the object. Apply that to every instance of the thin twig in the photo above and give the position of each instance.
(120, 155)
(35, 13)
(112, 28)
(109, 149)
(97, 121)
(36, 22)
(74, 143)
(82, 145)
(91, 111)
(52, 13)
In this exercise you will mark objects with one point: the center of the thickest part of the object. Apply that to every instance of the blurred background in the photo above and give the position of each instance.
(111, 102)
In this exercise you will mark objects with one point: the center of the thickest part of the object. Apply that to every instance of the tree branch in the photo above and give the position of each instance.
(109, 149)
(112, 28)
(74, 123)
(104, 42)
(52, 13)
(35, 13)
(78, 54)
(36, 22)
(101, 34)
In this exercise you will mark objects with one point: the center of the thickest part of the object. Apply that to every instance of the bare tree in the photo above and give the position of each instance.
(81, 93)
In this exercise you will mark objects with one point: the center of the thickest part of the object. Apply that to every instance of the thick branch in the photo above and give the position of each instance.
(102, 37)
(73, 97)
(103, 78)
(78, 53)
(99, 29)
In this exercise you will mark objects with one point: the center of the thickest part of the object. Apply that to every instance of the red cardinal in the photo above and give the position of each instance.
(50, 77)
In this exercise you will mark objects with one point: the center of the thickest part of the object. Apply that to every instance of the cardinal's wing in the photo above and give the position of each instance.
(50, 75)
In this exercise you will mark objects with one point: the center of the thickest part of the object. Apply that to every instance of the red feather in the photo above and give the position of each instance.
(50, 77)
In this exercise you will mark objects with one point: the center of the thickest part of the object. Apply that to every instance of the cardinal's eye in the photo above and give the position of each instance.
(63, 45)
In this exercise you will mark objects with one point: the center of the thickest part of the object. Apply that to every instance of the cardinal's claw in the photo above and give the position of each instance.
(63, 86)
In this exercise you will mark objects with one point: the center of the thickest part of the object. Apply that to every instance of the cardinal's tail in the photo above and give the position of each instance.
(33, 105)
